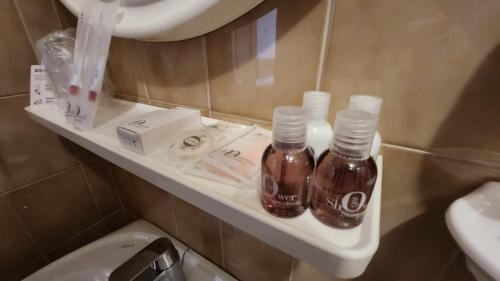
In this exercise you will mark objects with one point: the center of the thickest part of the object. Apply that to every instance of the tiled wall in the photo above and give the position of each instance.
(436, 63)
(54, 196)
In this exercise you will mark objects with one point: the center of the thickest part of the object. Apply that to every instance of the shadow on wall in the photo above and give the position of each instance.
(422, 248)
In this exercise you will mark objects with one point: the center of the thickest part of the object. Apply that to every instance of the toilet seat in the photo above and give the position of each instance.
(474, 222)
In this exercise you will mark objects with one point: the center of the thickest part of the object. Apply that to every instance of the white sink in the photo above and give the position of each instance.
(98, 259)
(474, 222)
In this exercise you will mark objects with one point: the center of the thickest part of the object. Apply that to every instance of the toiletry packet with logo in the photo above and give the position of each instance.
(188, 147)
(236, 163)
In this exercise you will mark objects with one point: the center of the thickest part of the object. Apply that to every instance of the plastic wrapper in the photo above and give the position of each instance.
(55, 52)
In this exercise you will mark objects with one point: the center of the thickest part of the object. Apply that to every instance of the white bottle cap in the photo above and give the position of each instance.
(371, 104)
(289, 124)
(353, 133)
(316, 104)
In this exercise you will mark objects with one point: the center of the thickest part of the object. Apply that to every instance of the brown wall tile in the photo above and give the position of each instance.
(125, 69)
(116, 220)
(458, 271)
(145, 200)
(198, 229)
(436, 64)
(303, 271)
(81, 239)
(248, 258)
(266, 58)
(16, 247)
(56, 208)
(28, 151)
(16, 54)
(174, 72)
(102, 186)
(417, 190)
(39, 17)
(25, 270)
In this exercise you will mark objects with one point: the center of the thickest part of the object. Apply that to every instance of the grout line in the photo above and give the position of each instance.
(324, 43)
(26, 230)
(221, 237)
(405, 148)
(207, 76)
(115, 184)
(14, 95)
(292, 270)
(57, 14)
(84, 230)
(170, 198)
(86, 179)
(39, 180)
(141, 69)
(26, 32)
(172, 105)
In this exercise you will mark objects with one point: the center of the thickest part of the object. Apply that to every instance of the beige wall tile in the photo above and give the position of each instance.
(15, 245)
(102, 186)
(174, 72)
(145, 200)
(87, 236)
(39, 17)
(16, 54)
(248, 258)
(266, 58)
(28, 151)
(66, 18)
(435, 64)
(55, 209)
(412, 177)
(124, 65)
(131, 98)
(198, 229)
(241, 120)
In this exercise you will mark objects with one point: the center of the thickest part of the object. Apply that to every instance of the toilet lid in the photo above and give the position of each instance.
(474, 222)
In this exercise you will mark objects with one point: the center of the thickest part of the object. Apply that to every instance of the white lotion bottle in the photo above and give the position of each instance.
(319, 132)
(370, 104)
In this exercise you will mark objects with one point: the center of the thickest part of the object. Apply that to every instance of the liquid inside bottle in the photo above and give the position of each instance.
(287, 174)
(287, 165)
(342, 189)
(346, 174)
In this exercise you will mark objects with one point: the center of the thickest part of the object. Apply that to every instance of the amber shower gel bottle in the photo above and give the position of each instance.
(346, 174)
(287, 165)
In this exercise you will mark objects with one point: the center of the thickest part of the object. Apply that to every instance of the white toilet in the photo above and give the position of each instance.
(474, 222)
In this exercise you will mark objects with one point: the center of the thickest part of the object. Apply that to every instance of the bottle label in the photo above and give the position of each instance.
(351, 204)
(272, 190)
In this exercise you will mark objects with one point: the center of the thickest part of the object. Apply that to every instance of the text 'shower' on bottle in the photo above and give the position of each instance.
(287, 165)
(345, 176)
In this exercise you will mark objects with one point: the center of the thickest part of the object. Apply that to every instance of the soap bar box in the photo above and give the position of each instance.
(148, 132)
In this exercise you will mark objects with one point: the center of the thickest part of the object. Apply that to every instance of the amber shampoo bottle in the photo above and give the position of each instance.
(346, 174)
(287, 165)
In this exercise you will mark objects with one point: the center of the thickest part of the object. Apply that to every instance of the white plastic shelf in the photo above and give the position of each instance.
(341, 253)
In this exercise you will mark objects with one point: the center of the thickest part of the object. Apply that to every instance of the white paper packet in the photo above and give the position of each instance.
(237, 163)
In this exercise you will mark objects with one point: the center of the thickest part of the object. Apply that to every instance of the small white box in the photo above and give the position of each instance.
(146, 133)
